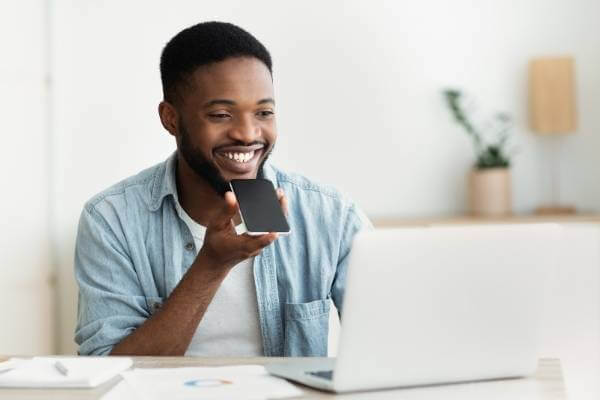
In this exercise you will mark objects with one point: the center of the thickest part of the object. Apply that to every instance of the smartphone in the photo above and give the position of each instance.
(260, 210)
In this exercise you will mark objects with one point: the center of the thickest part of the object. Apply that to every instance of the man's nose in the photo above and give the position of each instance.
(246, 130)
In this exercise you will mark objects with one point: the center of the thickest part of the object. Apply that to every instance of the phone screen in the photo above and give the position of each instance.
(259, 208)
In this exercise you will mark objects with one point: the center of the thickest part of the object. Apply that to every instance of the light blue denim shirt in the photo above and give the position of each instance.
(133, 249)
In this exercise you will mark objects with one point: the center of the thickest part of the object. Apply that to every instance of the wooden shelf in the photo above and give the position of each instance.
(386, 222)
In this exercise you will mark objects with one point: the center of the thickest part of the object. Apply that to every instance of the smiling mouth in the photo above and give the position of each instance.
(239, 157)
(239, 161)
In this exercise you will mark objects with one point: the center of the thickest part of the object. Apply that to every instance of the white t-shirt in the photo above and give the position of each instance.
(230, 326)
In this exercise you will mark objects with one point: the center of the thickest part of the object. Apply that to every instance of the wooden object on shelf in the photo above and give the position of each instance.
(555, 210)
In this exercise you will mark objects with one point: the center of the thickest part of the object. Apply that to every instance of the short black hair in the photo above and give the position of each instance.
(202, 44)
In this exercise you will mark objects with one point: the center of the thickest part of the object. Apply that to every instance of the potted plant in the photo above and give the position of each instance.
(489, 179)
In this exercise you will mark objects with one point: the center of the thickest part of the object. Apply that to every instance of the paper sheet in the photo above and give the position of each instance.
(208, 383)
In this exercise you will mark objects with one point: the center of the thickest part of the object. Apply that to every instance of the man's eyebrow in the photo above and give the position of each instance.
(219, 101)
(228, 102)
(267, 100)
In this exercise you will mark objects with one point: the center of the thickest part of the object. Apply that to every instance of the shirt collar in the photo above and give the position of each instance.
(164, 182)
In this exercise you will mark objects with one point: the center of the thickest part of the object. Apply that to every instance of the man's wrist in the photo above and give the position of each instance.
(210, 266)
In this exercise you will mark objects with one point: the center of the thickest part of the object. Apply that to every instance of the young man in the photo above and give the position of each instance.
(160, 268)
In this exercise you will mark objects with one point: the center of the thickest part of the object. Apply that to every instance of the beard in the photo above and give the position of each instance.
(205, 168)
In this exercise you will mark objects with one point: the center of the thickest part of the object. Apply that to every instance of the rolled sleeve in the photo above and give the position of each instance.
(111, 302)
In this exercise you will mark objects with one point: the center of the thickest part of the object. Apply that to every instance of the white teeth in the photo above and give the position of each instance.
(240, 157)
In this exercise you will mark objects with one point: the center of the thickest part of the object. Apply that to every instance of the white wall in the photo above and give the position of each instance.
(26, 276)
(358, 90)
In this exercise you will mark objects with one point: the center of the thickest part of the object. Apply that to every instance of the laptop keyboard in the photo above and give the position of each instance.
(322, 374)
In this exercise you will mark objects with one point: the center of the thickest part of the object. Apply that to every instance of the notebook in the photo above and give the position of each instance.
(61, 372)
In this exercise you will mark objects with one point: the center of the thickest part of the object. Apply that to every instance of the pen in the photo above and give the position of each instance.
(60, 367)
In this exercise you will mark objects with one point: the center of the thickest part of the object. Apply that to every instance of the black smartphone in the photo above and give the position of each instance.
(260, 210)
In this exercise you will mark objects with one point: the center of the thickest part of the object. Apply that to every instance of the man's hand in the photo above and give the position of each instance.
(223, 247)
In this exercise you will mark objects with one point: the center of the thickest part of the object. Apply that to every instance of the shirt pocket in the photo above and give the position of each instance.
(154, 304)
(306, 328)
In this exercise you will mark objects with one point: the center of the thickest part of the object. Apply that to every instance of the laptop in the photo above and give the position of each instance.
(436, 305)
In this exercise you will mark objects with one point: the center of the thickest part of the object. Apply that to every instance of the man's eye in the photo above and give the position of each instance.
(265, 113)
(218, 115)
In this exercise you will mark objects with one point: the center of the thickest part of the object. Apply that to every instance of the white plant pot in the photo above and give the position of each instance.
(490, 192)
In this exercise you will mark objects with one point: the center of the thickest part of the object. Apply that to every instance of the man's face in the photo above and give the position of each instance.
(227, 121)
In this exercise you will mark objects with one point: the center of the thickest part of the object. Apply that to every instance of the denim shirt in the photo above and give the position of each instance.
(132, 250)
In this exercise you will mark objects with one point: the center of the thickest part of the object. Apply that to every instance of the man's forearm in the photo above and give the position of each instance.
(170, 331)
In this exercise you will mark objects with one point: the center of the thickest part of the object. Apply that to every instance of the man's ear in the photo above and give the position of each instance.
(169, 117)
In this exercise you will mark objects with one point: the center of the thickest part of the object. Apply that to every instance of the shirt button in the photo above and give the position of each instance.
(189, 246)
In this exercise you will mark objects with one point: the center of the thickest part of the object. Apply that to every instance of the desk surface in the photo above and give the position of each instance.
(547, 384)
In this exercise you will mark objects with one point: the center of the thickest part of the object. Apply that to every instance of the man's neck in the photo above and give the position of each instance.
(196, 196)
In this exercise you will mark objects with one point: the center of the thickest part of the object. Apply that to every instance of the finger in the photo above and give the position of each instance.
(282, 201)
(265, 240)
(270, 237)
(229, 210)
(255, 243)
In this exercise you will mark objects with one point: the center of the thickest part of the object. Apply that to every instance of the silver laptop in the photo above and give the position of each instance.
(437, 305)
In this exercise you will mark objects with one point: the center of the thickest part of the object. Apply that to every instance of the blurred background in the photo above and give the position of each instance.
(359, 101)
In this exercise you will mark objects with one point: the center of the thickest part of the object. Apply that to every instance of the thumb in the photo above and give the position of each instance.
(230, 208)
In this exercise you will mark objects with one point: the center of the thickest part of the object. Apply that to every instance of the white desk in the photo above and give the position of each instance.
(547, 384)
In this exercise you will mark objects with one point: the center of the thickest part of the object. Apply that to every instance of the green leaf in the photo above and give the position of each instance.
(487, 155)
